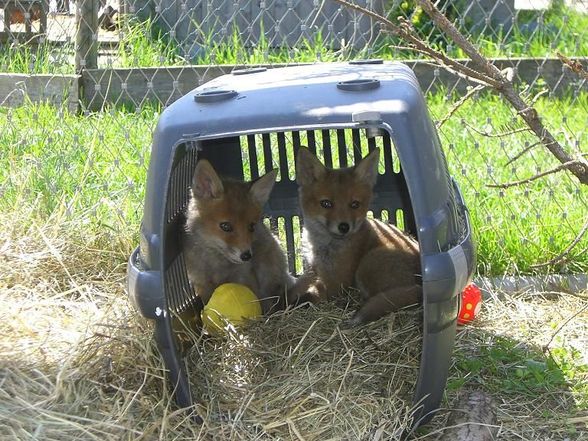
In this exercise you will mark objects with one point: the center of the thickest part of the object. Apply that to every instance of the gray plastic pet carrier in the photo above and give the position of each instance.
(253, 120)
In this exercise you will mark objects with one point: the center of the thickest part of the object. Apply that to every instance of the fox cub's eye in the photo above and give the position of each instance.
(252, 227)
(226, 227)
(325, 203)
(355, 205)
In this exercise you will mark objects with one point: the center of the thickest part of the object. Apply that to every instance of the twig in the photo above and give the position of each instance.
(559, 258)
(560, 167)
(539, 95)
(563, 292)
(457, 105)
(522, 152)
(574, 65)
(563, 325)
(498, 135)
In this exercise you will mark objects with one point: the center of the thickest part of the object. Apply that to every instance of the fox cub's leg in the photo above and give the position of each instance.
(386, 279)
(271, 270)
(273, 284)
(383, 303)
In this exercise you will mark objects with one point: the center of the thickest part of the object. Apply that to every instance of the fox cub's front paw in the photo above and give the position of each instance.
(306, 289)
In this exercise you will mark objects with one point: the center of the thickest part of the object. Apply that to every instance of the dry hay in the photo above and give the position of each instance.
(76, 362)
(298, 376)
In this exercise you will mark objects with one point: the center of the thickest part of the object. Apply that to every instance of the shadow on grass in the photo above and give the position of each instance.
(536, 392)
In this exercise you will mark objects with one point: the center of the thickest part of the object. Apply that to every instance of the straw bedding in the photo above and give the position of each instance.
(76, 362)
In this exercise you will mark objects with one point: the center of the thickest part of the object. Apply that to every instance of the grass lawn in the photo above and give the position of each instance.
(93, 169)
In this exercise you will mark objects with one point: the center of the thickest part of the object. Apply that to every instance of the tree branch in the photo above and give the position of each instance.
(559, 258)
(459, 103)
(560, 167)
(497, 135)
(485, 72)
(522, 152)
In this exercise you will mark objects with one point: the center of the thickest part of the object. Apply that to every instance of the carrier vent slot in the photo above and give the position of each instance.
(388, 160)
(273, 225)
(384, 215)
(400, 220)
(179, 185)
(297, 250)
(357, 150)
(180, 295)
(283, 157)
(289, 227)
(253, 161)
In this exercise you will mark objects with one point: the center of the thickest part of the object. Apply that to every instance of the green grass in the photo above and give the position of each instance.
(537, 221)
(94, 167)
(505, 365)
(44, 58)
(90, 167)
(534, 34)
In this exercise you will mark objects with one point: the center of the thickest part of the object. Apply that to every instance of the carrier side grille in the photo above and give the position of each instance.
(180, 295)
(180, 181)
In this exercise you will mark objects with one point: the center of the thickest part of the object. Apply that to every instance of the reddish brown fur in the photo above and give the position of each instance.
(215, 255)
(375, 257)
(235, 206)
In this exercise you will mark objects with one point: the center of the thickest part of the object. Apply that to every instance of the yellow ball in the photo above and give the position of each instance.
(230, 304)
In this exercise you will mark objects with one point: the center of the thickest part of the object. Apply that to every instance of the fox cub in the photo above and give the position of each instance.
(343, 248)
(226, 241)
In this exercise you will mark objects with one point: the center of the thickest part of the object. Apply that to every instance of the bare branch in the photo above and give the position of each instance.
(560, 167)
(498, 135)
(560, 258)
(457, 105)
(485, 72)
(557, 331)
(522, 152)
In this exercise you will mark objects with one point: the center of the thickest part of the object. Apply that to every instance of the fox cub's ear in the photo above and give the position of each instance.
(367, 169)
(262, 187)
(206, 184)
(308, 167)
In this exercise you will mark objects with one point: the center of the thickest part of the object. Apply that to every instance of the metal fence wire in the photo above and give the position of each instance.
(84, 82)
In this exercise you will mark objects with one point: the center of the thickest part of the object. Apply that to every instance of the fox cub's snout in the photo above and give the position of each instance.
(229, 212)
(336, 200)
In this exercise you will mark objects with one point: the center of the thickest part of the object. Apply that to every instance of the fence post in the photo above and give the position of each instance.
(86, 35)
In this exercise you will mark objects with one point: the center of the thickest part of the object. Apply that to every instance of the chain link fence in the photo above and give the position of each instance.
(84, 81)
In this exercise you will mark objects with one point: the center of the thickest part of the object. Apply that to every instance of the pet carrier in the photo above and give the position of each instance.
(253, 120)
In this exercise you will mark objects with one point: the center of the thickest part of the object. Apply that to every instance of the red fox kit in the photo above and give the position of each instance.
(226, 241)
(343, 248)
